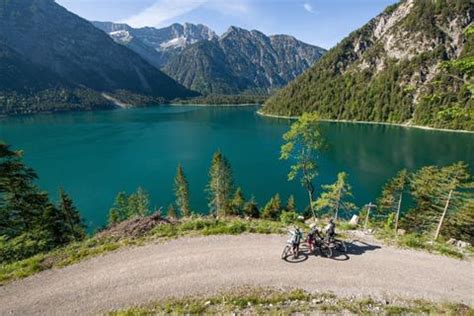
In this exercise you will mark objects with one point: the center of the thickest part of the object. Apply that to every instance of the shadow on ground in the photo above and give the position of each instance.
(354, 248)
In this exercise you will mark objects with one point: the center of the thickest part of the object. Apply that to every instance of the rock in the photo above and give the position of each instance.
(207, 303)
(310, 221)
(354, 220)
(301, 218)
(463, 244)
(401, 232)
(452, 241)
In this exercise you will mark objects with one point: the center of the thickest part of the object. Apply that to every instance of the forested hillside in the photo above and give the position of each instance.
(411, 64)
(52, 59)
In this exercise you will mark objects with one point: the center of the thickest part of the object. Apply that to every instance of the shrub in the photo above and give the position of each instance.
(290, 217)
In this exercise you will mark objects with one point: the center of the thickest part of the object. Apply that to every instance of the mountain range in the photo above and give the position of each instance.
(239, 61)
(52, 59)
(412, 64)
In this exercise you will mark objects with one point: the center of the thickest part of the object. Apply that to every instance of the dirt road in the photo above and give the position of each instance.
(206, 265)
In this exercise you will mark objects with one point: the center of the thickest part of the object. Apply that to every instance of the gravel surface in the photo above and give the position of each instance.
(207, 265)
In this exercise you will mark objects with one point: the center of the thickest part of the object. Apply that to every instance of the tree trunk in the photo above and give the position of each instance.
(369, 208)
(398, 213)
(367, 219)
(310, 195)
(443, 216)
(337, 204)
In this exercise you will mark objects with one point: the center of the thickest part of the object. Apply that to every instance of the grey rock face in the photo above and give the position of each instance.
(238, 61)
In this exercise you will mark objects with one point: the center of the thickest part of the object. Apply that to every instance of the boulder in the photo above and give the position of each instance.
(452, 242)
(310, 221)
(401, 232)
(463, 244)
(354, 220)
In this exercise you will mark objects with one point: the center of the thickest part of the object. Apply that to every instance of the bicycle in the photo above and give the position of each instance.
(292, 246)
(322, 246)
(337, 244)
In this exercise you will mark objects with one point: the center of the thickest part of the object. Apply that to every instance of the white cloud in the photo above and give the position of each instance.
(162, 11)
(165, 10)
(308, 7)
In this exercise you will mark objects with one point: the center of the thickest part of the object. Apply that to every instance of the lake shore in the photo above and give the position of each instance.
(215, 105)
(373, 123)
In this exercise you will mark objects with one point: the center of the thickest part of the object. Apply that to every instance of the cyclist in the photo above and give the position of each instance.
(313, 233)
(330, 230)
(296, 237)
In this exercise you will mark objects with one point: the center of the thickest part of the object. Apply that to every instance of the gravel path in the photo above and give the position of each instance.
(207, 265)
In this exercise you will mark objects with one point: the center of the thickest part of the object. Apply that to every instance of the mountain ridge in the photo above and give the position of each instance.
(238, 61)
(397, 68)
(76, 58)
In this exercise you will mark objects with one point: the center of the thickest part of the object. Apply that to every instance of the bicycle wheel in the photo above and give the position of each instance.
(325, 251)
(341, 246)
(285, 252)
(296, 252)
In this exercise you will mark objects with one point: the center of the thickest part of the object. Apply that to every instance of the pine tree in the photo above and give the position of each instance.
(272, 209)
(290, 204)
(251, 208)
(172, 214)
(220, 184)
(56, 225)
(238, 202)
(75, 227)
(303, 141)
(181, 189)
(461, 225)
(119, 211)
(20, 208)
(335, 197)
(29, 222)
(138, 203)
(392, 194)
(438, 194)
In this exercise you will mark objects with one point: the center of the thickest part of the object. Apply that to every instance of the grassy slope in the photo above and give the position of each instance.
(277, 302)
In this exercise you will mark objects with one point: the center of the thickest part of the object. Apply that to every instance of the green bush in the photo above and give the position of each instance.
(23, 246)
(289, 217)
(412, 241)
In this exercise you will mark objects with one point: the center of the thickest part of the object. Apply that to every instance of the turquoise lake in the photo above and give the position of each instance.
(94, 155)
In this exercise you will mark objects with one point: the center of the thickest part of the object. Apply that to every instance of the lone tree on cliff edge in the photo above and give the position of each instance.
(303, 143)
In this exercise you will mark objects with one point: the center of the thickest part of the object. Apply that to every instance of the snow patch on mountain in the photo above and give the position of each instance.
(121, 36)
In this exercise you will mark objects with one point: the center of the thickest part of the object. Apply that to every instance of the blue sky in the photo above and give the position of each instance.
(319, 22)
